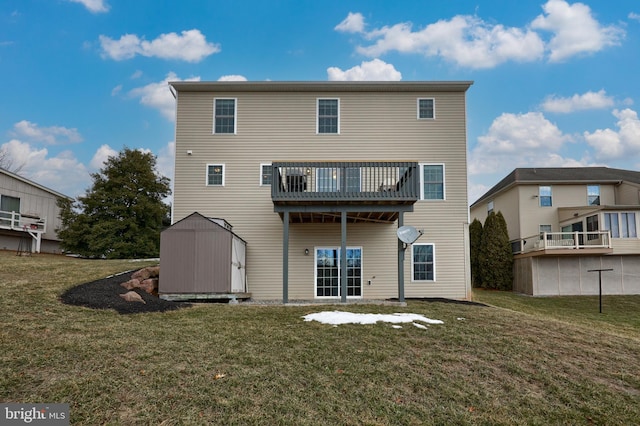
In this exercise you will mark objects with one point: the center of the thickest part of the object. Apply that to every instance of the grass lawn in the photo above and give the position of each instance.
(524, 361)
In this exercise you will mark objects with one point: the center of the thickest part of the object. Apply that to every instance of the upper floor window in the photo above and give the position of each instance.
(215, 174)
(423, 262)
(328, 116)
(426, 108)
(544, 193)
(489, 207)
(593, 195)
(224, 116)
(432, 182)
(265, 174)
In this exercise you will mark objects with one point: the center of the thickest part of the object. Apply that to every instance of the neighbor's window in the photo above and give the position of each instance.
(593, 195)
(432, 182)
(544, 192)
(621, 225)
(422, 262)
(489, 207)
(215, 174)
(543, 229)
(225, 116)
(265, 174)
(328, 116)
(426, 108)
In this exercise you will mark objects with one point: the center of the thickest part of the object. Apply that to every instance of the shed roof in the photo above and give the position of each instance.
(561, 175)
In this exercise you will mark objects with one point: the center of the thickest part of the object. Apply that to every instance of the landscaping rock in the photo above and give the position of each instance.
(131, 284)
(132, 296)
(149, 285)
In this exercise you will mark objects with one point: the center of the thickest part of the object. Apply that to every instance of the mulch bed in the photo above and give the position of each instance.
(105, 294)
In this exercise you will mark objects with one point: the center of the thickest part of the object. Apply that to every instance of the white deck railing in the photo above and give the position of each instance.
(562, 240)
(22, 222)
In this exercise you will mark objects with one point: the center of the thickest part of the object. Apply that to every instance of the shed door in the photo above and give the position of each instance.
(238, 266)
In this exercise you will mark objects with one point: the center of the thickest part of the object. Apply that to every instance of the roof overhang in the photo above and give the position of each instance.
(320, 86)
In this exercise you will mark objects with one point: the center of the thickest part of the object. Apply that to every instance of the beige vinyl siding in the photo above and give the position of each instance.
(282, 126)
(628, 194)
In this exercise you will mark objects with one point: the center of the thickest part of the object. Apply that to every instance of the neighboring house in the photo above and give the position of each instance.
(29, 215)
(564, 223)
(312, 173)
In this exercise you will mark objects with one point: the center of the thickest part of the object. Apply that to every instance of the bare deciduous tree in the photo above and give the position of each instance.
(7, 163)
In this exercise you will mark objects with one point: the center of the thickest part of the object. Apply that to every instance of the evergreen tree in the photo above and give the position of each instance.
(475, 243)
(496, 258)
(122, 214)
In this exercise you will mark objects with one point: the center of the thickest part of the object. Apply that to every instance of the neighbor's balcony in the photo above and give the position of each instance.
(22, 222)
(337, 182)
(564, 243)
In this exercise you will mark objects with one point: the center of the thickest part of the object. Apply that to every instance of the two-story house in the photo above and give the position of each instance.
(29, 215)
(565, 223)
(317, 178)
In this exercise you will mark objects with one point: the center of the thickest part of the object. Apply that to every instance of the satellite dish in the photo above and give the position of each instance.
(408, 234)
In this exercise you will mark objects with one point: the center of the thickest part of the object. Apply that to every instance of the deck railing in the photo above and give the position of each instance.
(562, 240)
(22, 222)
(325, 181)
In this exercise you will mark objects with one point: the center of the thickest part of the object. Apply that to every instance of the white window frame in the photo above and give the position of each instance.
(315, 271)
(444, 182)
(235, 115)
(591, 195)
(619, 223)
(490, 207)
(206, 176)
(318, 115)
(413, 265)
(540, 195)
(418, 108)
(260, 182)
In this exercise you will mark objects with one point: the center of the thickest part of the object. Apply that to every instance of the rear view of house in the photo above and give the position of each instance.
(564, 223)
(29, 215)
(317, 178)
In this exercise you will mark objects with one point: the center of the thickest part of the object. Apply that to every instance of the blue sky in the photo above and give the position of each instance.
(556, 82)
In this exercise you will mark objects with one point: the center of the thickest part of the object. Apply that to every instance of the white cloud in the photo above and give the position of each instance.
(63, 172)
(353, 23)
(190, 46)
(158, 95)
(517, 140)
(54, 135)
(624, 143)
(116, 90)
(375, 70)
(464, 40)
(634, 16)
(100, 157)
(232, 78)
(94, 6)
(588, 100)
(575, 30)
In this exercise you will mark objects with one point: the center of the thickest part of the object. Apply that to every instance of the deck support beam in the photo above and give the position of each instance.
(343, 257)
(285, 257)
(401, 249)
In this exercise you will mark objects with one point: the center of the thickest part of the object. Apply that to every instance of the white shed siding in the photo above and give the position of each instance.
(282, 126)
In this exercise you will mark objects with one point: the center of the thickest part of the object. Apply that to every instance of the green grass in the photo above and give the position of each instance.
(520, 363)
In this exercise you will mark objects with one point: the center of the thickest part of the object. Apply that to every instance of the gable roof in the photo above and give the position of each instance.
(561, 175)
(32, 183)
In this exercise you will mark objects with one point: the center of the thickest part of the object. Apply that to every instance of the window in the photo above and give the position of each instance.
(328, 116)
(621, 225)
(543, 229)
(426, 109)
(422, 262)
(432, 182)
(593, 195)
(328, 179)
(328, 272)
(489, 207)
(265, 174)
(592, 226)
(215, 174)
(225, 116)
(544, 193)
(7, 206)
